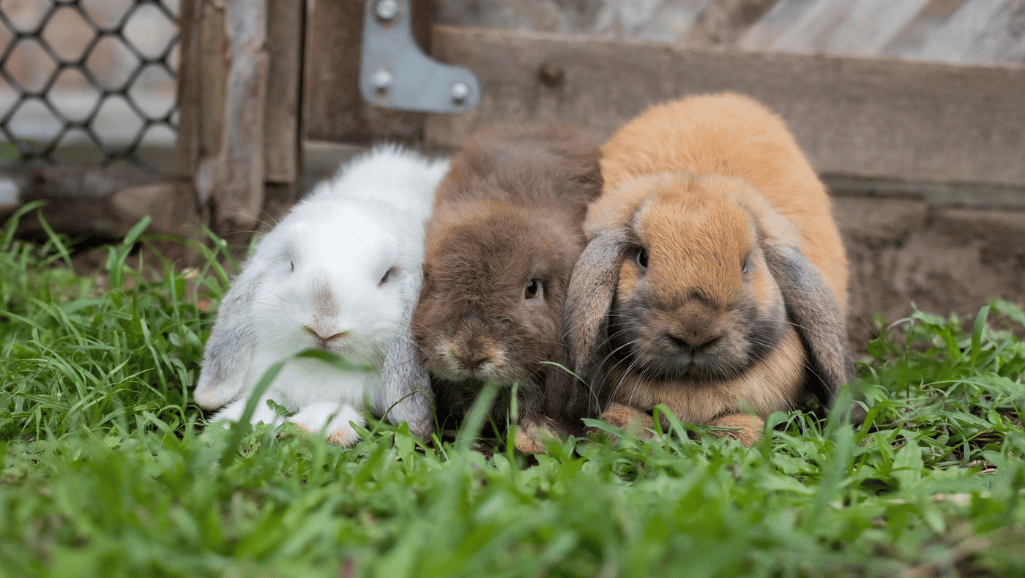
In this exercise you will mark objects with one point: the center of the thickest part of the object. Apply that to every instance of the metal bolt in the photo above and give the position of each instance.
(459, 92)
(551, 73)
(387, 9)
(382, 79)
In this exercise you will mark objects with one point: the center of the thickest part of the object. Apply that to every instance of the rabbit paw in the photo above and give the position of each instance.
(531, 436)
(331, 418)
(233, 412)
(746, 429)
(630, 419)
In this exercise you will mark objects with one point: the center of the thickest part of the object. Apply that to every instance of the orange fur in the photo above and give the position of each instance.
(708, 185)
(731, 135)
(747, 429)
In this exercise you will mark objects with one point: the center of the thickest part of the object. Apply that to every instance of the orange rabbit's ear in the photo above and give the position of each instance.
(813, 311)
(811, 305)
(589, 300)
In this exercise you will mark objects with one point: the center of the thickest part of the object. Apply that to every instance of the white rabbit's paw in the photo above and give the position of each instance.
(344, 437)
(332, 419)
(264, 413)
(229, 414)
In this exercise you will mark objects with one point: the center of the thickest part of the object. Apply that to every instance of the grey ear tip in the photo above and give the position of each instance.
(421, 428)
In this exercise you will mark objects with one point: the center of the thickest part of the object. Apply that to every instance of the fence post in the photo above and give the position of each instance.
(240, 127)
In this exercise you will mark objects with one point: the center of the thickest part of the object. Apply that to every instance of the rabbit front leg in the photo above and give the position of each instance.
(263, 413)
(332, 418)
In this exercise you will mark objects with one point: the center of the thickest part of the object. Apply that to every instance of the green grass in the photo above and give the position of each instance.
(106, 469)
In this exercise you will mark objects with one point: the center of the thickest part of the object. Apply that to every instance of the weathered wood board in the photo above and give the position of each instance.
(981, 31)
(334, 110)
(239, 145)
(849, 27)
(864, 118)
(723, 22)
(282, 121)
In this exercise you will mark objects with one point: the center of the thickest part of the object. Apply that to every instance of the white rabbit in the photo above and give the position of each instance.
(340, 272)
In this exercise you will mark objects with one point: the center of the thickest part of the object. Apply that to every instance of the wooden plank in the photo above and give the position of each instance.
(849, 27)
(239, 151)
(201, 92)
(333, 108)
(723, 22)
(283, 132)
(981, 31)
(780, 18)
(200, 83)
(908, 43)
(978, 196)
(669, 21)
(864, 118)
(240, 168)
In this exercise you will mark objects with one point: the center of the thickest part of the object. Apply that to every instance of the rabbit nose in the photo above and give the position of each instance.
(473, 345)
(693, 339)
(472, 361)
(325, 336)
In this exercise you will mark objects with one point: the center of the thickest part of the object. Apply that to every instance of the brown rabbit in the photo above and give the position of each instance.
(714, 280)
(500, 248)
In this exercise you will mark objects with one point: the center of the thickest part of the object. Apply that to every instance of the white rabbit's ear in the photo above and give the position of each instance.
(405, 394)
(813, 311)
(230, 347)
(592, 288)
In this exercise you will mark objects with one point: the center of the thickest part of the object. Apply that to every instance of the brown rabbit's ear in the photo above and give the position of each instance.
(812, 309)
(589, 299)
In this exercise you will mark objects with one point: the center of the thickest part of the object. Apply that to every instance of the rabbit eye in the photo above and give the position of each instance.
(534, 290)
(641, 258)
(746, 266)
(387, 275)
(291, 266)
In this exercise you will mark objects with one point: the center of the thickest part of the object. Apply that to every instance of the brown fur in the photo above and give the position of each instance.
(509, 211)
(705, 185)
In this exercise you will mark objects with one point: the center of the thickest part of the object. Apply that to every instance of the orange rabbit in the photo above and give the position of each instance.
(714, 280)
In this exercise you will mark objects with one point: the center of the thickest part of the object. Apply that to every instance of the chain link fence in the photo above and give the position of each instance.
(88, 82)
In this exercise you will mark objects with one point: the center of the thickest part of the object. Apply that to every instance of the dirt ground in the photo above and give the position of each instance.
(942, 260)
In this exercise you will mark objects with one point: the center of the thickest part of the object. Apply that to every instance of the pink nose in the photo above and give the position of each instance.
(325, 336)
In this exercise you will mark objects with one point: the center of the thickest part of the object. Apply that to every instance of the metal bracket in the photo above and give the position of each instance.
(395, 73)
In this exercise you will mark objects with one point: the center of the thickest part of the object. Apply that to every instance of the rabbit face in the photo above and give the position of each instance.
(336, 285)
(695, 299)
(490, 305)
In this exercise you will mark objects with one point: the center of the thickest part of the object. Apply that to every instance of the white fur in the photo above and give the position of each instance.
(394, 174)
(320, 271)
